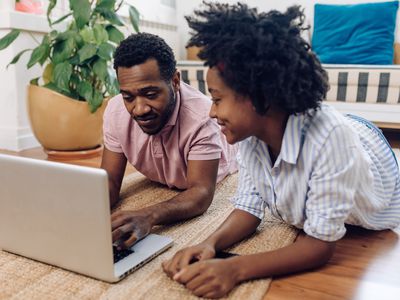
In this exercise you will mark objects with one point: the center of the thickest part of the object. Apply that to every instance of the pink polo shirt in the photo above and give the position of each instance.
(190, 134)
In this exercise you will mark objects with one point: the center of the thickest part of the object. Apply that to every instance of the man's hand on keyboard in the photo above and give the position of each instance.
(129, 227)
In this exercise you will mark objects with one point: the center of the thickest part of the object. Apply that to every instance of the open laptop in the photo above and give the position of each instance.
(59, 214)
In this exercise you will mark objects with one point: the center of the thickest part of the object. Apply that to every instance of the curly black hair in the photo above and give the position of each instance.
(137, 48)
(260, 55)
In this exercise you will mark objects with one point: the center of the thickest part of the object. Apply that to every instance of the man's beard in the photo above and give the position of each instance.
(168, 111)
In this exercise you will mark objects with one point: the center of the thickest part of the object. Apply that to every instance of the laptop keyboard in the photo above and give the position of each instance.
(120, 254)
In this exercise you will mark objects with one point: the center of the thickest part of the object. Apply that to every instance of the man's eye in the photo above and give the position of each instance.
(151, 96)
(215, 101)
(127, 98)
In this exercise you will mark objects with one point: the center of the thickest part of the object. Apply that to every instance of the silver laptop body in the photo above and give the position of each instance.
(59, 214)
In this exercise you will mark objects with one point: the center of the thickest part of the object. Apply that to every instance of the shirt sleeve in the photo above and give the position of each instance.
(332, 185)
(206, 144)
(247, 197)
(110, 136)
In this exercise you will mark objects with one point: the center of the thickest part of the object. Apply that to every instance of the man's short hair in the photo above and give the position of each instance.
(138, 48)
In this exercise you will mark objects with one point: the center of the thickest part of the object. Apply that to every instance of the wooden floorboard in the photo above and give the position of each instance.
(365, 266)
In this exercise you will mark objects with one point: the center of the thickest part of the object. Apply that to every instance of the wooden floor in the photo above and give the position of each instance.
(365, 266)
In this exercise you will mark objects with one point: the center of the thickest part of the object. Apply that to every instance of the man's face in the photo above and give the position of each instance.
(148, 98)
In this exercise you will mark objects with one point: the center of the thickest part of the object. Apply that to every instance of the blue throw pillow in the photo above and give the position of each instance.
(355, 34)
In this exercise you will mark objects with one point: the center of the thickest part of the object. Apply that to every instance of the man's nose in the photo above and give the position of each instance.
(140, 108)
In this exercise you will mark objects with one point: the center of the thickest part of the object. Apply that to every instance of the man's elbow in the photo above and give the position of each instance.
(204, 199)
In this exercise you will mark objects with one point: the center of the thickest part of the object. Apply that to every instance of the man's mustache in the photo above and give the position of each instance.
(145, 117)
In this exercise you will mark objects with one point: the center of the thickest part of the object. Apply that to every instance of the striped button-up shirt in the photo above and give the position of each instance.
(332, 170)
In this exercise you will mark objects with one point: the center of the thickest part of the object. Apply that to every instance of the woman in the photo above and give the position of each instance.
(306, 163)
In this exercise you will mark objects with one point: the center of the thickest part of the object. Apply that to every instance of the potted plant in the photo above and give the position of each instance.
(77, 72)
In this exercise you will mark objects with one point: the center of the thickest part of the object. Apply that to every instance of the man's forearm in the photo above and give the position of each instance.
(113, 193)
(187, 204)
(236, 227)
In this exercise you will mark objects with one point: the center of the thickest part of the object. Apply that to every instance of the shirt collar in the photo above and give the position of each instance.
(293, 138)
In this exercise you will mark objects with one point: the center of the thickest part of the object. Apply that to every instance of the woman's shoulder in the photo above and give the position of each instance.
(327, 121)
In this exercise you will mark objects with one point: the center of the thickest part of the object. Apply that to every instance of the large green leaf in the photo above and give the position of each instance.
(46, 46)
(9, 38)
(65, 35)
(134, 16)
(87, 34)
(63, 50)
(106, 51)
(17, 57)
(87, 51)
(36, 55)
(85, 90)
(100, 34)
(61, 75)
(100, 69)
(114, 34)
(74, 60)
(81, 11)
(111, 16)
(54, 87)
(96, 101)
(112, 85)
(106, 4)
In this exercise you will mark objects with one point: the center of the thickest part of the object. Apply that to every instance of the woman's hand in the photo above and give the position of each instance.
(184, 257)
(212, 278)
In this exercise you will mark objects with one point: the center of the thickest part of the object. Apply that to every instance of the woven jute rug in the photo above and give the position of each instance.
(21, 278)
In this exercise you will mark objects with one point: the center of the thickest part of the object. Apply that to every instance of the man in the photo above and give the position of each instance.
(161, 126)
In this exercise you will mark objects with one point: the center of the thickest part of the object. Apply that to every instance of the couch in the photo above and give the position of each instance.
(370, 91)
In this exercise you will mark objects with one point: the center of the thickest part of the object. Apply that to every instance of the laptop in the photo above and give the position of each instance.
(59, 214)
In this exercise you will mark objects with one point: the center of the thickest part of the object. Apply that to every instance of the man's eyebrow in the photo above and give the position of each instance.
(149, 89)
(142, 90)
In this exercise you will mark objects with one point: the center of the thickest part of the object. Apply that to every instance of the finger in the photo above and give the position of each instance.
(117, 222)
(116, 214)
(197, 282)
(205, 289)
(130, 241)
(120, 234)
(117, 234)
(186, 258)
(173, 266)
(187, 273)
(212, 294)
(166, 265)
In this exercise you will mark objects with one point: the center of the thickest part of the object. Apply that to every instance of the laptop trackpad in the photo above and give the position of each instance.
(144, 251)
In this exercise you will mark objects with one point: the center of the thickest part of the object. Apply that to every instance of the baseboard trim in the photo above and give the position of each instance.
(17, 139)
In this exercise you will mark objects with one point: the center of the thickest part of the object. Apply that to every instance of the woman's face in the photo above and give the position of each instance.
(234, 113)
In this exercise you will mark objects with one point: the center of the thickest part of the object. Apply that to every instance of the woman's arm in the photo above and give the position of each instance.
(217, 277)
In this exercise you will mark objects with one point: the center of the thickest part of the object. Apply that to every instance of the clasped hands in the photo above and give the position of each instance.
(194, 267)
